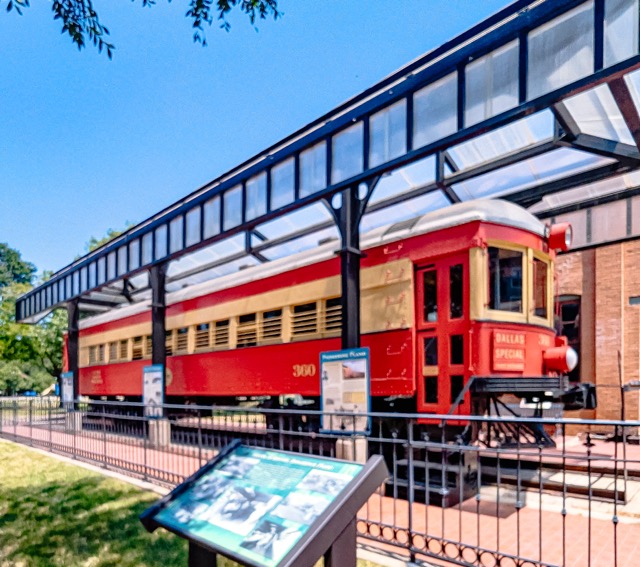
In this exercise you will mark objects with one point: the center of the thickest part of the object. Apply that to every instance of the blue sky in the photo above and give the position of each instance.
(87, 144)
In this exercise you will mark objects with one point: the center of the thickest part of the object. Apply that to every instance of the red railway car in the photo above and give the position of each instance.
(462, 292)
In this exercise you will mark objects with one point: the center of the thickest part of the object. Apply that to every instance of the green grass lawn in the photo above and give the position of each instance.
(58, 514)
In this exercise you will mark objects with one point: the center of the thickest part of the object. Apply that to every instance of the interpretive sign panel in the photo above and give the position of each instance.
(345, 388)
(152, 390)
(256, 505)
(66, 384)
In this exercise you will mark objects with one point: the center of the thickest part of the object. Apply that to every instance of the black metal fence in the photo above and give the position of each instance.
(470, 491)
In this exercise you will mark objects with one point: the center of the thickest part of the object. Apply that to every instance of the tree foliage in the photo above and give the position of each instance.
(13, 269)
(80, 20)
(30, 355)
(95, 242)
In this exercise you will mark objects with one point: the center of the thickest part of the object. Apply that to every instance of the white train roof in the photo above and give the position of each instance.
(484, 210)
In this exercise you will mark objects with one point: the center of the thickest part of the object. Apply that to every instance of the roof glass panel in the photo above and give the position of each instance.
(516, 136)
(301, 244)
(403, 211)
(544, 168)
(295, 221)
(404, 179)
(218, 251)
(585, 192)
(596, 113)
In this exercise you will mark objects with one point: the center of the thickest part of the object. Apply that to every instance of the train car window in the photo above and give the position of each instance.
(333, 314)
(505, 280)
(271, 324)
(168, 343)
(182, 340)
(540, 306)
(203, 339)
(221, 334)
(305, 319)
(457, 384)
(430, 281)
(137, 353)
(455, 291)
(123, 349)
(93, 354)
(148, 347)
(247, 331)
(101, 353)
(457, 349)
(431, 390)
(431, 351)
(113, 351)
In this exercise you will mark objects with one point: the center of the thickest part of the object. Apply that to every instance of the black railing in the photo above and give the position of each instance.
(472, 491)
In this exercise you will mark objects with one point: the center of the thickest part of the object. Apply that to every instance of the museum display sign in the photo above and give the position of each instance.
(256, 505)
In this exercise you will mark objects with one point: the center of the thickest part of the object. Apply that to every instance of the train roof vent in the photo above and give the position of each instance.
(402, 225)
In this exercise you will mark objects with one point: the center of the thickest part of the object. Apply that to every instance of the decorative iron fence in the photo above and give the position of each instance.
(471, 491)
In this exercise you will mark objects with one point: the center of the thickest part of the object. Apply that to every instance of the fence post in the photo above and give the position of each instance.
(50, 429)
(15, 419)
(104, 436)
(30, 414)
(199, 438)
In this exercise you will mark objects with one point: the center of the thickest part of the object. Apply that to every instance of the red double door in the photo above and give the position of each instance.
(442, 332)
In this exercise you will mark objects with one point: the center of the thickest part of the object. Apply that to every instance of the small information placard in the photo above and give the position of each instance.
(345, 388)
(152, 390)
(66, 393)
(256, 505)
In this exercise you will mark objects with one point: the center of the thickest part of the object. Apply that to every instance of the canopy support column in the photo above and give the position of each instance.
(157, 280)
(73, 314)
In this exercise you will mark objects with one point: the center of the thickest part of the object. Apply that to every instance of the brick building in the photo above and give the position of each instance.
(598, 293)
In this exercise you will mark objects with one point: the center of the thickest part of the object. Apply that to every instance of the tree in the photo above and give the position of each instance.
(110, 235)
(13, 268)
(81, 22)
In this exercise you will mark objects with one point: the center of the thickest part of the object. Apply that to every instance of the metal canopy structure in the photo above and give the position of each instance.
(538, 104)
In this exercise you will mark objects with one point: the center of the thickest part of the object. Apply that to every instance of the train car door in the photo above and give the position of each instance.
(442, 324)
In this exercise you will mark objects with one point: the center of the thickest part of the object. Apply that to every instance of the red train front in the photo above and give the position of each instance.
(458, 293)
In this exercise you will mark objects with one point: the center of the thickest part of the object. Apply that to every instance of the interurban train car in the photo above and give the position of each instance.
(459, 295)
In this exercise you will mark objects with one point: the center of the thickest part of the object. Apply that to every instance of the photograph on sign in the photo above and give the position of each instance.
(345, 388)
(152, 390)
(256, 504)
(66, 394)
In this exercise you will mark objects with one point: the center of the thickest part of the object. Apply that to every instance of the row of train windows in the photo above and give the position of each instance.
(306, 320)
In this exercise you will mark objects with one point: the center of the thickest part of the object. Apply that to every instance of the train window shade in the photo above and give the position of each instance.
(247, 331)
(505, 280)
(168, 343)
(304, 320)
(333, 315)
(182, 341)
(221, 334)
(148, 347)
(430, 281)
(271, 326)
(540, 288)
(203, 336)
(456, 279)
(93, 354)
(137, 352)
(123, 349)
(113, 351)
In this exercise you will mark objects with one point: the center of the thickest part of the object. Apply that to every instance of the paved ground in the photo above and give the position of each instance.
(536, 530)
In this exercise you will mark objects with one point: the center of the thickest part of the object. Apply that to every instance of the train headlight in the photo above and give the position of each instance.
(560, 236)
(560, 358)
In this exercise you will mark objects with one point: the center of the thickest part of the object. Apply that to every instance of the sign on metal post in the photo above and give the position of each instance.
(152, 390)
(268, 508)
(344, 379)
(66, 393)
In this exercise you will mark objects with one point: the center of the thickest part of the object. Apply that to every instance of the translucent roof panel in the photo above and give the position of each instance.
(301, 244)
(516, 136)
(214, 253)
(633, 82)
(295, 221)
(544, 168)
(596, 113)
(404, 179)
(212, 273)
(406, 210)
(585, 192)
